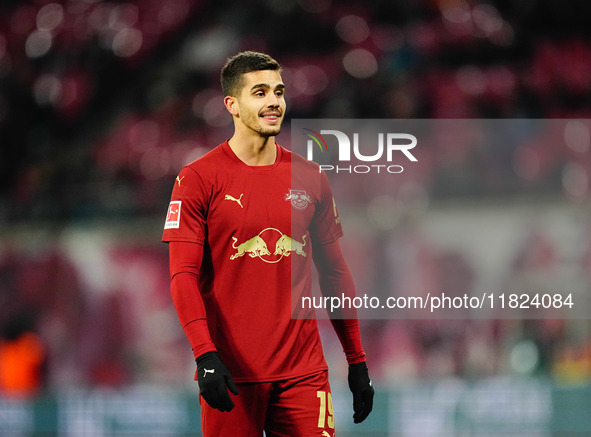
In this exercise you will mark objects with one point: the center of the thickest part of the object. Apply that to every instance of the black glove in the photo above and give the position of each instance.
(214, 381)
(362, 390)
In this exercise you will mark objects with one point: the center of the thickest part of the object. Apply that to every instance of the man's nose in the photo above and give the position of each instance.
(273, 100)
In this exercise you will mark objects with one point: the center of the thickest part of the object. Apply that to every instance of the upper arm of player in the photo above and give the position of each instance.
(326, 224)
(186, 219)
(328, 259)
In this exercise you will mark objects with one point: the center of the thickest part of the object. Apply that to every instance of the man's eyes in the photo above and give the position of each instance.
(278, 93)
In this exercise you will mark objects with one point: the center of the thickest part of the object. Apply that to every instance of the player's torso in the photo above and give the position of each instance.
(255, 224)
(258, 215)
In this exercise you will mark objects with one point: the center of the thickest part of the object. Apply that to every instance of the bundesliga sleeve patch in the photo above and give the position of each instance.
(173, 217)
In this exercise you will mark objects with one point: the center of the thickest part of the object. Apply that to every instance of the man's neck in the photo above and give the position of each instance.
(254, 151)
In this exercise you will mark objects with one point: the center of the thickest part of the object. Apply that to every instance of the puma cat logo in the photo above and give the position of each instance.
(233, 199)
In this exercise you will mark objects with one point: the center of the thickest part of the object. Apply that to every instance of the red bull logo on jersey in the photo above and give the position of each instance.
(258, 246)
(299, 199)
(286, 245)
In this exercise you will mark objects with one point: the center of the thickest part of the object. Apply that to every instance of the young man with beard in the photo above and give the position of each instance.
(243, 225)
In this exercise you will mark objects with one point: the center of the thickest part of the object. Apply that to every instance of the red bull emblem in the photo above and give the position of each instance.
(299, 199)
(257, 246)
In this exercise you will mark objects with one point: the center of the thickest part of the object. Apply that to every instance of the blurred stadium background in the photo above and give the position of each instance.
(101, 104)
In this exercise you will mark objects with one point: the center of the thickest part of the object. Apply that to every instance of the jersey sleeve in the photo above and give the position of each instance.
(336, 280)
(185, 261)
(187, 212)
(326, 224)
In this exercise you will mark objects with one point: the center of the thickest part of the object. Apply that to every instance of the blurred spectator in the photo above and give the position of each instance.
(22, 358)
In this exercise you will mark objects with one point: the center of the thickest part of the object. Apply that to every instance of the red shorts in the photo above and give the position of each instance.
(290, 408)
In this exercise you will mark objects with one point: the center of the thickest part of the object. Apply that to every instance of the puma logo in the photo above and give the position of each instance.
(206, 371)
(233, 199)
(179, 180)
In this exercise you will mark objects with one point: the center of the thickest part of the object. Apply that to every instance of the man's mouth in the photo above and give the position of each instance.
(271, 117)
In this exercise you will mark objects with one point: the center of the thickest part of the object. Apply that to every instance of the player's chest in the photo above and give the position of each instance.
(254, 204)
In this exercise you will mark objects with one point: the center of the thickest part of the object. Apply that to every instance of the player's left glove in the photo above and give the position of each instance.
(362, 390)
(214, 381)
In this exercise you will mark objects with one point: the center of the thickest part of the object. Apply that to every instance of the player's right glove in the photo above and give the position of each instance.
(214, 381)
(362, 390)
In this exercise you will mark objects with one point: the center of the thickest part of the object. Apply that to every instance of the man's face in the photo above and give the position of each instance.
(261, 102)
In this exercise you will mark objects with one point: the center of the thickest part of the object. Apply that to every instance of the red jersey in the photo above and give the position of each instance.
(258, 225)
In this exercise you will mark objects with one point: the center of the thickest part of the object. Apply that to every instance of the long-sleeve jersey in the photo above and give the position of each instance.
(257, 226)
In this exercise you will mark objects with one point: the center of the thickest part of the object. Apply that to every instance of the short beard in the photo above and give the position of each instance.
(267, 133)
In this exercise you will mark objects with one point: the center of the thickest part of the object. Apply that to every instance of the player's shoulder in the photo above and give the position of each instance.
(301, 164)
(201, 171)
(208, 161)
(206, 165)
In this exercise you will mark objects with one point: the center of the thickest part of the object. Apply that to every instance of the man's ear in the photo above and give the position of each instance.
(231, 104)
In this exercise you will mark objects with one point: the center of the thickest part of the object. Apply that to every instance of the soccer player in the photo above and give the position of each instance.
(243, 225)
